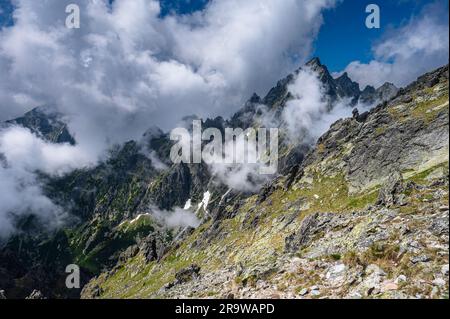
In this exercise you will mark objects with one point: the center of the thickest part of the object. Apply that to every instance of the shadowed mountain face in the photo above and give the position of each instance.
(42, 122)
(113, 204)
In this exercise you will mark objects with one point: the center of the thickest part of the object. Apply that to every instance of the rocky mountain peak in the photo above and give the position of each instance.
(369, 89)
(314, 62)
(322, 71)
(387, 91)
(344, 77)
(255, 99)
(346, 87)
(153, 132)
(45, 122)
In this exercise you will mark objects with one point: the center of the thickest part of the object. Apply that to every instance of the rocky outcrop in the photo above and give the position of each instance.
(301, 238)
(347, 88)
(187, 274)
(391, 191)
(386, 92)
(152, 247)
(36, 294)
(370, 95)
(409, 136)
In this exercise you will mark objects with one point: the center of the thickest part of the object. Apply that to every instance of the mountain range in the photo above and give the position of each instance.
(362, 212)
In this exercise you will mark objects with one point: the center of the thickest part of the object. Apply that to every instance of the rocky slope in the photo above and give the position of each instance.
(246, 240)
(364, 215)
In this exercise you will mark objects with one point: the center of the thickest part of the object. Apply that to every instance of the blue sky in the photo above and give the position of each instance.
(343, 37)
(5, 13)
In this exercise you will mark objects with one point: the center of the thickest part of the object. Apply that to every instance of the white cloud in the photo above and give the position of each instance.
(407, 52)
(127, 69)
(21, 194)
(131, 68)
(22, 155)
(239, 163)
(308, 115)
(23, 149)
(176, 218)
(308, 104)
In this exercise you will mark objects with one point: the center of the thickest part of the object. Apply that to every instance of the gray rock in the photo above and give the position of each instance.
(299, 239)
(152, 247)
(187, 274)
(314, 291)
(389, 193)
(36, 294)
(439, 282)
(400, 279)
(420, 259)
(371, 284)
(440, 225)
(336, 274)
(444, 270)
(303, 292)
(387, 91)
(130, 252)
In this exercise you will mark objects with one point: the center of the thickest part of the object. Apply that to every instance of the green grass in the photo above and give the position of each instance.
(328, 194)
(421, 178)
(428, 110)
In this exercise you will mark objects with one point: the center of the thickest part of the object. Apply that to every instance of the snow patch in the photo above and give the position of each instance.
(137, 218)
(188, 204)
(204, 203)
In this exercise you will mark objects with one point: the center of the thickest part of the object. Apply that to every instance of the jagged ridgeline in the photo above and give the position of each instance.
(348, 216)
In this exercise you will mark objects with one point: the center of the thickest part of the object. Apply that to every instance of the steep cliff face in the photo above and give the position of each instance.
(365, 214)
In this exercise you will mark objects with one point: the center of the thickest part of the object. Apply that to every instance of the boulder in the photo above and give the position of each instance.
(152, 248)
(300, 238)
(389, 194)
(187, 274)
(36, 294)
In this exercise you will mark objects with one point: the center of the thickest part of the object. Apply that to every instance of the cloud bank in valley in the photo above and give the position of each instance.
(176, 218)
(23, 154)
(308, 115)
